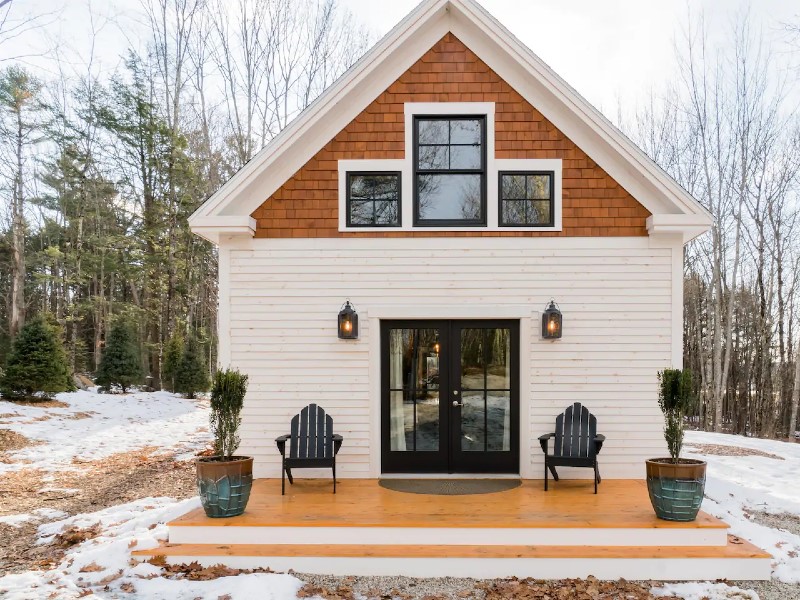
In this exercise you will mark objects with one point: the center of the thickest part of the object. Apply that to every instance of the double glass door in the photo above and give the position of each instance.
(450, 399)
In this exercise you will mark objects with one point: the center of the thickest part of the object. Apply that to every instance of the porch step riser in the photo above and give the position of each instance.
(449, 536)
(659, 569)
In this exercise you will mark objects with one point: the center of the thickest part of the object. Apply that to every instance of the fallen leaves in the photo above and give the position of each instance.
(194, 571)
(590, 588)
(75, 535)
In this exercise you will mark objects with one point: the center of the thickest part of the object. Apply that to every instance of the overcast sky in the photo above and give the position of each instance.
(609, 50)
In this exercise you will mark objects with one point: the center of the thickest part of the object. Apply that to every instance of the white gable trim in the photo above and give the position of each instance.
(400, 49)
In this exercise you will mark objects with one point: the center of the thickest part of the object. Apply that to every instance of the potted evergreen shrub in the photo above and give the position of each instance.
(676, 485)
(224, 480)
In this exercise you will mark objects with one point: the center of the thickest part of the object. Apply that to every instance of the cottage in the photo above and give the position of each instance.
(445, 250)
(449, 186)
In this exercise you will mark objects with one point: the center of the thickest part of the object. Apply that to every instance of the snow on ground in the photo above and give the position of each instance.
(104, 565)
(737, 486)
(94, 426)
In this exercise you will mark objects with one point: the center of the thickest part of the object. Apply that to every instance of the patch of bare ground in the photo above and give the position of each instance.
(409, 588)
(722, 450)
(786, 521)
(11, 440)
(96, 485)
(39, 403)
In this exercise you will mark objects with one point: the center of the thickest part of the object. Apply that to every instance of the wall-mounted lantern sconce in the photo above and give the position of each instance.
(348, 322)
(551, 322)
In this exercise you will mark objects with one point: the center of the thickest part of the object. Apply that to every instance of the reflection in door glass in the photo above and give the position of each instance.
(414, 389)
(486, 390)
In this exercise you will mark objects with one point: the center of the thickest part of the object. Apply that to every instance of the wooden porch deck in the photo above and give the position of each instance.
(367, 529)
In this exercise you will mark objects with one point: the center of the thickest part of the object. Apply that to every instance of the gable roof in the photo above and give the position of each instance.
(228, 211)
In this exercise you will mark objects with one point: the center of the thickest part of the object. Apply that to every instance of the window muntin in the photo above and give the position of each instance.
(373, 199)
(526, 199)
(450, 171)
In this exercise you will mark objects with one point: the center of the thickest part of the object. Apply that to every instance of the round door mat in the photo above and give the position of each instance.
(450, 487)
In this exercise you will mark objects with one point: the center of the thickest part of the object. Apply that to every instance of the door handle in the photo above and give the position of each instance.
(457, 403)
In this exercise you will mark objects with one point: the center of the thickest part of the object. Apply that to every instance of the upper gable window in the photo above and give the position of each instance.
(373, 199)
(450, 171)
(526, 199)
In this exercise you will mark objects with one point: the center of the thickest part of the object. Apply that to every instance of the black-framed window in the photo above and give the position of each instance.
(450, 171)
(373, 199)
(526, 199)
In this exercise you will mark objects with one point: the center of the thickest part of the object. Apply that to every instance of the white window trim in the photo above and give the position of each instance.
(493, 167)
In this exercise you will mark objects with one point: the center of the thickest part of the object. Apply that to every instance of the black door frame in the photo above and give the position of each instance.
(449, 458)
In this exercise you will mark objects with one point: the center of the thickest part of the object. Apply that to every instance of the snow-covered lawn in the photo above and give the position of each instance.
(93, 426)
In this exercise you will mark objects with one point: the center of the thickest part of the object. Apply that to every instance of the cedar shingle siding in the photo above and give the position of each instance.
(593, 203)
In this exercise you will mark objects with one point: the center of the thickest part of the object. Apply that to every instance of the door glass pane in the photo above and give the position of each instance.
(498, 361)
(414, 389)
(486, 389)
(498, 421)
(473, 422)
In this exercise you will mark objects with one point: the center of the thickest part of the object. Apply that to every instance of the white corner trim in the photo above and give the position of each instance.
(493, 167)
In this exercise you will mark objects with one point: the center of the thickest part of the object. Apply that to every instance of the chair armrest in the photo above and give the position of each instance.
(281, 442)
(337, 443)
(598, 443)
(543, 441)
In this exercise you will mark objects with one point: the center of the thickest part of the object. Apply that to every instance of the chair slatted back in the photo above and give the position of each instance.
(312, 434)
(576, 429)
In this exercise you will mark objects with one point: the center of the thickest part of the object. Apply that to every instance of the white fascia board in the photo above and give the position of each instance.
(688, 226)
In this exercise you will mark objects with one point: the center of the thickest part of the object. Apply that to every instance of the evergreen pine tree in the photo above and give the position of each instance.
(173, 352)
(192, 374)
(121, 362)
(37, 362)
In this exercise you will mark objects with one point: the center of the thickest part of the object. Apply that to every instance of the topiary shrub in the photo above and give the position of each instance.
(227, 400)
(192, 374)
(37, 363)
(675, 398)
(121, 362)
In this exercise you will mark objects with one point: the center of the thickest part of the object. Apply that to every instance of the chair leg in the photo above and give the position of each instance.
(597, 472)
(554, 473)
(595, 477)
(289, 475)
(283, 478)
(545, 474)
(334, 475)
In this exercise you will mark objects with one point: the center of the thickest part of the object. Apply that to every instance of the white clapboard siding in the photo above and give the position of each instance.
(281, 298)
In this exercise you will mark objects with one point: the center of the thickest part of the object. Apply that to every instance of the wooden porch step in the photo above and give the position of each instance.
(738, 559)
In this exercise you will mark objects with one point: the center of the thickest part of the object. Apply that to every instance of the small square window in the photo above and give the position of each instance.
(526, 199)
(373, 199)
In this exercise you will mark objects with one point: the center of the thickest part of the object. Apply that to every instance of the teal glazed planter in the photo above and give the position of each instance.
(676, 489)
(224, 485)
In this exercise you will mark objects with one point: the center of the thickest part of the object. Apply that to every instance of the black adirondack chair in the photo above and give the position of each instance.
(577, 443)
(312, 444)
